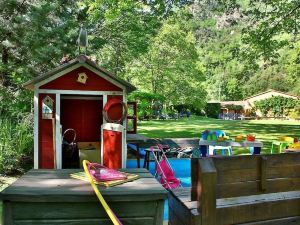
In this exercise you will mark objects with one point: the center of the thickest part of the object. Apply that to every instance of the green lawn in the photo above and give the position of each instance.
(265, 130)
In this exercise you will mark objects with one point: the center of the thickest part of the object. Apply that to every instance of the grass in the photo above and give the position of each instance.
(265, 130)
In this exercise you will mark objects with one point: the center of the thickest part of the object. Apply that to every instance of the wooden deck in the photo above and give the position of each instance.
(52, 197)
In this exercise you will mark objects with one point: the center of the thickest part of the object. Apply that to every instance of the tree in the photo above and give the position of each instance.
(170, 66)
(122, 30)
(36, 35)
(268, 21)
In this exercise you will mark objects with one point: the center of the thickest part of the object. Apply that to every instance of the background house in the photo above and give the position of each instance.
(250, 101)
(240, 109)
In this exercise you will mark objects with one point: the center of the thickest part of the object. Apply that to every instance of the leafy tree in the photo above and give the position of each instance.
(148, 103)
(122, 30)
(268, 21)
(170, 66)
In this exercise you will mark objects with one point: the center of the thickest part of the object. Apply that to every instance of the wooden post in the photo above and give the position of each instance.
(195, 179)
(207, 191)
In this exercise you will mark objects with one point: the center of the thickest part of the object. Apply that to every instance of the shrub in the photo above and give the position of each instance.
(213, 110)
(295, 113)
(276, 105)
(184, 107)
(16, 143)
(148, 103)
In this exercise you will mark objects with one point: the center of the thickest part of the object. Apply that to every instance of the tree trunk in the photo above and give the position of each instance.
(4, 74)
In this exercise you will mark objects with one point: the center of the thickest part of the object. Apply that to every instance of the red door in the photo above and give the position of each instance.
(84, 116)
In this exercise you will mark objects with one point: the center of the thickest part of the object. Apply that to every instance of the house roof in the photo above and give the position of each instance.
(80, 59)
(226, 103)
(271, 90)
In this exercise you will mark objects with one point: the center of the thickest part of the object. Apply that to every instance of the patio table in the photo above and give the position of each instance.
(257, 145)
(136, 139)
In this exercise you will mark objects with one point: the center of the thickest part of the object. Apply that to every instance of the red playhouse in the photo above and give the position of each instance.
(71, 104)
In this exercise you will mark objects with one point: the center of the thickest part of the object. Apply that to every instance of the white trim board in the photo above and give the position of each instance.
(58, 141)
(103, 75)
(78, 92)
(81, 97)
(70, 69)
(36, 130)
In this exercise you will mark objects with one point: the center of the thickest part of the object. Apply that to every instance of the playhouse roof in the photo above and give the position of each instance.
(80, 59)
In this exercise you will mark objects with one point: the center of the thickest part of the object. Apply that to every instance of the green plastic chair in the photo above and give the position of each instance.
(282, 143)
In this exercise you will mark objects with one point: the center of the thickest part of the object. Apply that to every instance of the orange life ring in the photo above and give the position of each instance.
(111, 103)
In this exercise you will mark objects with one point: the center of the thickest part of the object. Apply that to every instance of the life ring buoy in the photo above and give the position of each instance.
(109, 104)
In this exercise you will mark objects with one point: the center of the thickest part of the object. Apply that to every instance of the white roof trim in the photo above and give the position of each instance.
(70, 69)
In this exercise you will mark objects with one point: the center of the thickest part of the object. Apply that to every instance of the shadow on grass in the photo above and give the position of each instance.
(265, 131)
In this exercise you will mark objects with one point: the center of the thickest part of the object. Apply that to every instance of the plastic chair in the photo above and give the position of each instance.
(282, 143)
(214, 149)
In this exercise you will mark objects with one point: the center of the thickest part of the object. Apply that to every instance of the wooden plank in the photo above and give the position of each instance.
(183, 214)
(159, 212)
(173, 218)
(184, 194)
(295, 220)
(84, 210)
(263, 178)
(279, 160)
(252, 187)
(290, 170)
(68, 171)
(7, 217)
(234, 176)
(195, 169)
(227, 202)
(64, 185)
(237, 175)
(236, 162)
(125, 221)
(258, 211)
(248, 162)
(207, 191)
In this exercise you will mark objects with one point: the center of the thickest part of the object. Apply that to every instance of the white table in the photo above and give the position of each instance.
(257, 145)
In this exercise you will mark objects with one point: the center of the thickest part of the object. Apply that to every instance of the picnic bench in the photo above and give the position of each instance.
(257, 189)
(53, 197)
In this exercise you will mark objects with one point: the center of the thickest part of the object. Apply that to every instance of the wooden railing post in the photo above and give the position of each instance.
(195, 170)
(204, 180)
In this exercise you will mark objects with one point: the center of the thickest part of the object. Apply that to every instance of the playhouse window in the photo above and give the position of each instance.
(47, 108)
